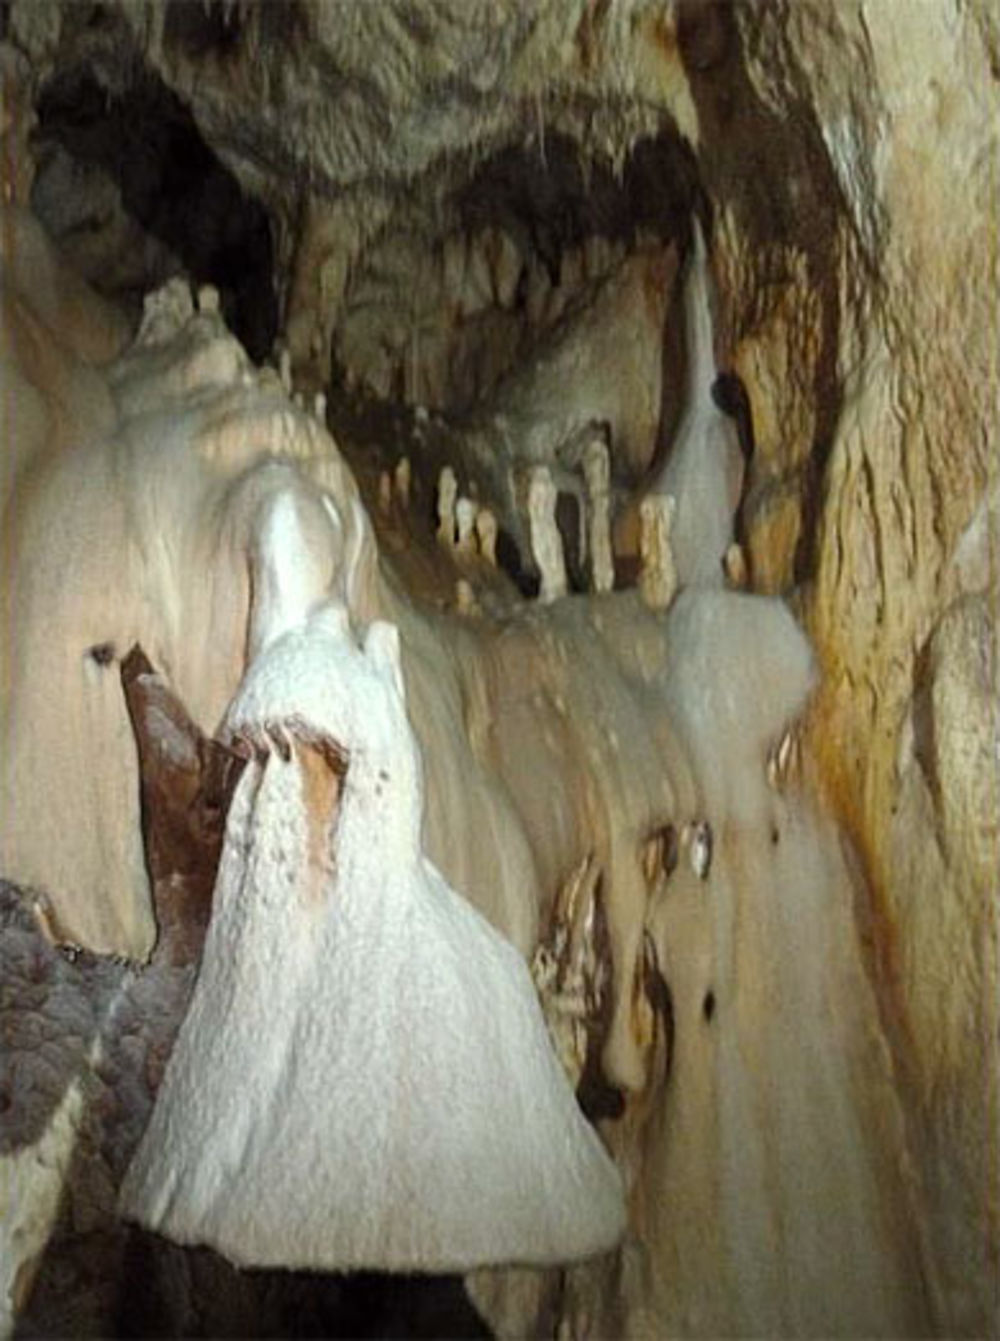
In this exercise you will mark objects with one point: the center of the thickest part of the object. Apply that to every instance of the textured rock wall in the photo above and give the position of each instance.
(905, 102)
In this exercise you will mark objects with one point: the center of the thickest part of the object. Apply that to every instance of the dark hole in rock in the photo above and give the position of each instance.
(568, 520)
(730, 395)
(199, 27)
(102, 653)
(552, 200)
(708, 1006)
(599, 1100)
(527, 582)
(171, 184)
(775, 835)
(166, 1290)
(670, 849)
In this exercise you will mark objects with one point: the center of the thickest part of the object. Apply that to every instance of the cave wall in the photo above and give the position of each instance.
(847, 156)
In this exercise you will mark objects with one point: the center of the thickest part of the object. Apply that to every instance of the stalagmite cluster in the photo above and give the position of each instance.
(498, 732)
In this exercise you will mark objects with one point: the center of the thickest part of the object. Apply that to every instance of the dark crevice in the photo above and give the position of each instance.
(173, 186)
(552, 200)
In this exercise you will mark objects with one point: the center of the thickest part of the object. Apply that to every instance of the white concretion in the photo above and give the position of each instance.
(295, 554)
(465, 519)
(597, 474)
(546, 542)
(208, 300)
(658, 575)
(698, 838)
(165, 311)
(364, 1076)
(447, 493)
(703, 471)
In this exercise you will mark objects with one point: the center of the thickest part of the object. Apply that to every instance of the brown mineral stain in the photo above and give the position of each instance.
(321, 780)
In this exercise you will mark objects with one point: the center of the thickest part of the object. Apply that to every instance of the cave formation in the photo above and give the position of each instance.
(528, 469)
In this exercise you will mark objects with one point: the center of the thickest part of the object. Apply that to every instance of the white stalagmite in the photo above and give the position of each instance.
(364, 1077)
(165, 311)
(465, 518)
(208, 300)
(447, 493)
(546, 542)
(658, 576)
(486, 534)
(597, 473)
(704, 469)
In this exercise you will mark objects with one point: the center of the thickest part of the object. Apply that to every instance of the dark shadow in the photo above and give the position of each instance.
(173, 185)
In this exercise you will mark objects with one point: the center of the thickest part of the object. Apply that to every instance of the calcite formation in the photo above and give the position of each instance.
(732, 792)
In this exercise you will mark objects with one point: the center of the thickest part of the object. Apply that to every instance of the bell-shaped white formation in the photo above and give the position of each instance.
(465, 518)
(657, 576)
(486, 534)
(363, 1078)
(597, 474)
(546, 542)
(447, 493)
